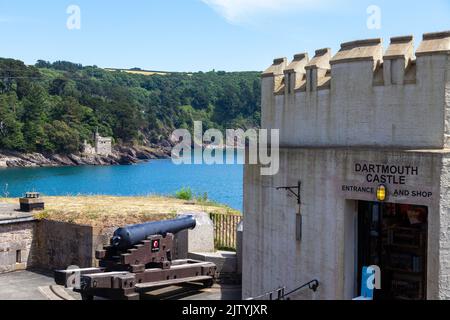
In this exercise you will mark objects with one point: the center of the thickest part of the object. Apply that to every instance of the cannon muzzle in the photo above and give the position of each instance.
(129, 236)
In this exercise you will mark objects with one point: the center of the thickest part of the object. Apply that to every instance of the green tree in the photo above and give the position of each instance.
(200, 99)
(62, 96)
(11, 137)
(61, 138)
(34, 118)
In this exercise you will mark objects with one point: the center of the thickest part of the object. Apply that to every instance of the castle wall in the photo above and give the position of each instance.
(362, 100)
(363, 105)
(273, 258)
(103, 146)
(88, 149)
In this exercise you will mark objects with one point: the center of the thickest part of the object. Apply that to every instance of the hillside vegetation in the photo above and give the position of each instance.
(53, 107)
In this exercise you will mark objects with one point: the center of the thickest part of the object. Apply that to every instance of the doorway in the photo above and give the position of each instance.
(394, 238)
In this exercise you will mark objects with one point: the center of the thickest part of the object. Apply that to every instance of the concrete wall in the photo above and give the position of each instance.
(273, 257)
(360, 98)
(239, 247)
(13, 237)
(49, 245)
(200, 239)
(55, 245)
(52, 245)
(441, 262)
(60, 245)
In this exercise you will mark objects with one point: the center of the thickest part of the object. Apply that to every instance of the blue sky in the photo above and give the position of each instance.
(193, 35)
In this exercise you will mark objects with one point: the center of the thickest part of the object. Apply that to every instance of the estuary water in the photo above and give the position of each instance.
(222, 183)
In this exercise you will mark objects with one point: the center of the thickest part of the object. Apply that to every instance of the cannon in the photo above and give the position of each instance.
(128, 236)
(137, 260)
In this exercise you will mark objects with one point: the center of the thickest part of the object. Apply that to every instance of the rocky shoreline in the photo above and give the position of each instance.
(122, 155)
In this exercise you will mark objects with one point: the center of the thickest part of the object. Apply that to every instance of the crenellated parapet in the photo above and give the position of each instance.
(318, 71)
(361, 50)
(399, 64)
(295, 73)
(275, 74)
(395, 66)
(363, 95)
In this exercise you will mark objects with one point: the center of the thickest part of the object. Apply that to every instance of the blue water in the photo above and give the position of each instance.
(223, 183)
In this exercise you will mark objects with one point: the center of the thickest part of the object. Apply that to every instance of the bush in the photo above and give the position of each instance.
(184, 194)
(202, 198)
(42, 215)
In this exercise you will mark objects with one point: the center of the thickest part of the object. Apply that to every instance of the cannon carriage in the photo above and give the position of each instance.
(138, 259)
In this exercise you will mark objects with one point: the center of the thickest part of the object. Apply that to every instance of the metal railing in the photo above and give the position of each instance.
(225, 227)
(281, 294)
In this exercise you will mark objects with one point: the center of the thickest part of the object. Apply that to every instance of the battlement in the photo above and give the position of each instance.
(378, 90)
(400, 52)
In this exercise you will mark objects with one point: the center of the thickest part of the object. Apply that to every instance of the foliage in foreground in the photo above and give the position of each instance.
(184, 194)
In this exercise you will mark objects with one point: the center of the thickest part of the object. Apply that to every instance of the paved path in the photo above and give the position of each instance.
(23, 285)
(9, 212)
(27, 285)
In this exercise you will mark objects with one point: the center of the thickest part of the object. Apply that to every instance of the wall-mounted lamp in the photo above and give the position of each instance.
(381, 193)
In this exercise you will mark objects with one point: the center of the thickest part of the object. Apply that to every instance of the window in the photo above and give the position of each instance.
(18, 256)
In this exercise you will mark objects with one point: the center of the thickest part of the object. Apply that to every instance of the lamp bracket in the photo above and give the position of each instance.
(295, 190)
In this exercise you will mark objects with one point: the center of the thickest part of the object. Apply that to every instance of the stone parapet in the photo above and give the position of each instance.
(362, 96)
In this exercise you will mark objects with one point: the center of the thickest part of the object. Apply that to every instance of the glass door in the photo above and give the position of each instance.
(394, 238)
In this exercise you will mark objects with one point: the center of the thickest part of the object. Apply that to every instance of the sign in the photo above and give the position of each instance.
(399, 182)
(385, 173)
(155, 245)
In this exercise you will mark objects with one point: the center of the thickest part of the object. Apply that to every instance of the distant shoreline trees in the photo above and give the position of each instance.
(54, 107)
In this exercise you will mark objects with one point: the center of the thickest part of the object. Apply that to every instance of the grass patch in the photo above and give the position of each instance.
(112, 211)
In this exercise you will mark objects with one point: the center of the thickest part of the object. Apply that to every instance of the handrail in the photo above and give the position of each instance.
(280, 292)
(312, 285)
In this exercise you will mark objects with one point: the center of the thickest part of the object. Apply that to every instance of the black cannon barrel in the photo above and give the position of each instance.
(128, 236)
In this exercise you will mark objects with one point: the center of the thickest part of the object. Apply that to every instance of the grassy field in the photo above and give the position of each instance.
(141, 72)
(109, 211)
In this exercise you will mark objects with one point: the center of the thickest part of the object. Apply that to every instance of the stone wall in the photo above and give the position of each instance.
(441, 262)
(361, 105)
(59, 245)
(16, 237)
(273, 257)
(52, 245)
(103, 146)
(199, 239)
(49, 245)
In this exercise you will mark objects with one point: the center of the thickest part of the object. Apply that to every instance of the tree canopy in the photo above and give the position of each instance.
(54, 107)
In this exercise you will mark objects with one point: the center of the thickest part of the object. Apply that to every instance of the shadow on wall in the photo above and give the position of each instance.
(57, 245)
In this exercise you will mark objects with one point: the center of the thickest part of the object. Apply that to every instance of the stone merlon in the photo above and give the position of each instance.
(400, 50)
(361, 50)
(434, 43)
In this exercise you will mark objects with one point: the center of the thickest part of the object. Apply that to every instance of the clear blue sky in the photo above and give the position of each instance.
(192, 35)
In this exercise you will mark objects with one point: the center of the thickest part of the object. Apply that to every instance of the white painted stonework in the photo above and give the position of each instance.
(345, 123)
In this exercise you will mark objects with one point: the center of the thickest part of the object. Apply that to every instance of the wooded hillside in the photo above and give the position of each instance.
(54, 107)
